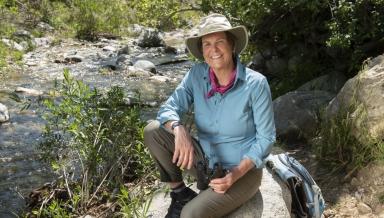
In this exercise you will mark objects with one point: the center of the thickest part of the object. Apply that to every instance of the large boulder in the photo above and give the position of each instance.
(4, 114)
(296, 114)
(364, 95)
(331, 82)
(145, 65)
(273, 200)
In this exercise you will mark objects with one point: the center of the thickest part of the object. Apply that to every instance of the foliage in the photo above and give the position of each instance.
(357, 28)
(93, 17)
(338, 146)
(322, 36)
(93, 138)
(163, 14)
(134, 203)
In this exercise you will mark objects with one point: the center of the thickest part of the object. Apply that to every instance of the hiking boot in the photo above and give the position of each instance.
(178, 201)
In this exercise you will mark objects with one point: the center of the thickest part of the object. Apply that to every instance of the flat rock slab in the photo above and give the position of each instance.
(272, 201)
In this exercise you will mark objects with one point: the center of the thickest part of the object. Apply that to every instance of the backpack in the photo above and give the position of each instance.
(307, 200)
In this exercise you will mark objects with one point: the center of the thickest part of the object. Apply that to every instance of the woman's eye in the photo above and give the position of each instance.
(206, 45)
(220, 42)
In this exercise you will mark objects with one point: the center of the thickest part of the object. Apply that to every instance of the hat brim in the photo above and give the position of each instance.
(241, 41)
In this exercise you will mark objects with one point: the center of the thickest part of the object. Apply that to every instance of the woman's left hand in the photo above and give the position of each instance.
(221, 185)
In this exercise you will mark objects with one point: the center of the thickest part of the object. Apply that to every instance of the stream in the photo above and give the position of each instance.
(100, 64)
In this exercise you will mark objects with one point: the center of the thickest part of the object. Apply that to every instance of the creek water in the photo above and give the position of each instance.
(21, 170)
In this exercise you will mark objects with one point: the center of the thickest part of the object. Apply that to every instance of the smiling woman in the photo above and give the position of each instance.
(234, 121)
(217, 52)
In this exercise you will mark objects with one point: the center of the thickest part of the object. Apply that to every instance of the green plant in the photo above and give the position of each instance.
(162, 14)
(92, 138)
(134, 202)
(339, 147)
(94, 17)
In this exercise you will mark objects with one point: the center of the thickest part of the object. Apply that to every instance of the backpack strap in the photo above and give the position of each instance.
(316, 196)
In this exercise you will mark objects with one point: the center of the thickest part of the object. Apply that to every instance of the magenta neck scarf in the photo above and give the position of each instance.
(215, 84)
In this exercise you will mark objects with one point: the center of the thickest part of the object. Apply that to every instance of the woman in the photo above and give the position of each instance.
(234, 120)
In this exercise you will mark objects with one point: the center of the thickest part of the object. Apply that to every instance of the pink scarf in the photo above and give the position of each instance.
(216, 86)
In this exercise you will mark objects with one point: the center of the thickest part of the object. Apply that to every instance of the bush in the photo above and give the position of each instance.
(93, 17)
(93, 139)
(163, 14)
(339, 147)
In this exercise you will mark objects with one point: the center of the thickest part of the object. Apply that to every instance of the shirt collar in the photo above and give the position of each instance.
(240, 74)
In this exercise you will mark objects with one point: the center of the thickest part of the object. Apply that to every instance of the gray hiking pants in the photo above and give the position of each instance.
(161, 144)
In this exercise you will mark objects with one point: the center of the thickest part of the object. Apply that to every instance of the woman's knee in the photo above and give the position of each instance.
(150, 129)
(190, 211)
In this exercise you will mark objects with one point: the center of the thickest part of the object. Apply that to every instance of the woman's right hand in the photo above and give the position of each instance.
(184, 150)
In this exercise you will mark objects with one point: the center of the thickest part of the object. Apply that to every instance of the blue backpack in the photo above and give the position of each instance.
(307, 200)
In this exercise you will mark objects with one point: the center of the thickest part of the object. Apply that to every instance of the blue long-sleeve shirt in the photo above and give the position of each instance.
(236, 125)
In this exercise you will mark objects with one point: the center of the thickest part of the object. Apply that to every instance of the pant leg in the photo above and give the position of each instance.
(161, 144)
(211, 204)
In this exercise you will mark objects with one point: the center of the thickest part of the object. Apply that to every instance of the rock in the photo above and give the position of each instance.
(132, 71)
(366, 94)
(294, 63)
(145, 65)
(45, 27)
(112, 63)
(258, 62)
(273, 200)
(4, 114)
(354, 182)
(28, 91)
(349, 212)
(73, 59)
(135, 29)
(150, 38)
(332, 83)
(363, 208)
(87, 216)
(296, 114)
(170, 50)
(42, 42)
(23, 34)
(109, 48)
(12, 44)
(124, 50)
(160, 78)
(381, 214)
(276, 66)
(151, 103)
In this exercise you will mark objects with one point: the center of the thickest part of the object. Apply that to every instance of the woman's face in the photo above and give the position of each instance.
(217, 51)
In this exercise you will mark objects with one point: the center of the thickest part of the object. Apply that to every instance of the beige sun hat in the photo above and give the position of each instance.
(216, 23)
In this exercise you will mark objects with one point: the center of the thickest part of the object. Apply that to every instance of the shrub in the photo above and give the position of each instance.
(339, 147)
(163, 14)
(93, 139)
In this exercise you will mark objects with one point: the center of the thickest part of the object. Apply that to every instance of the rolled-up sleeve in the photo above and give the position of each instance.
(264, 122)
(179, 102)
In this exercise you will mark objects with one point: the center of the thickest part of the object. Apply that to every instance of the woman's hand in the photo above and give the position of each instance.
(184, 150)
(221, 185)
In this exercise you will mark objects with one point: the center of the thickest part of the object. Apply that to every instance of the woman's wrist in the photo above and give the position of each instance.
(175, 124)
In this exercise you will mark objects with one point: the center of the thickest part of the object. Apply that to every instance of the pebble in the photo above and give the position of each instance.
(363, 208)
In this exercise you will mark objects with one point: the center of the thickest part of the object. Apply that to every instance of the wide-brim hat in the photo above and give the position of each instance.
(216, 23)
